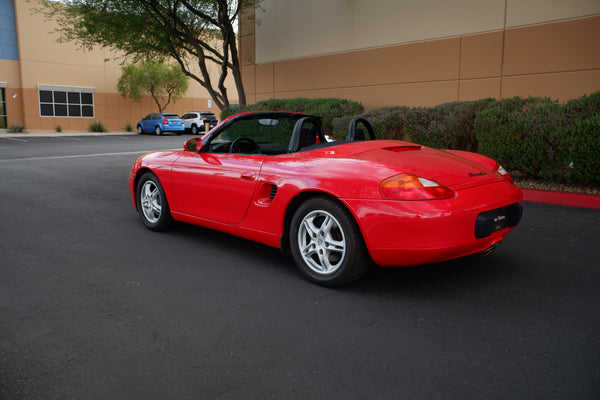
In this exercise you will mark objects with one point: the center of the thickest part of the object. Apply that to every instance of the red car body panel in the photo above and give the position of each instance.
(233, 193)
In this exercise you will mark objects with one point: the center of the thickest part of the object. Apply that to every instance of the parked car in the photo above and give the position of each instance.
(159, 123)
(195, 121)
(335, 207)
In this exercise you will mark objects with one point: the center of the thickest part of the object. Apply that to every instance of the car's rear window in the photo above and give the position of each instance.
(171, 116)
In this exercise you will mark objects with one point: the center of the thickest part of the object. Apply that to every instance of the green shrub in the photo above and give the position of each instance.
(447, 126)
(583, 144)
(16, 129)
(97, 127)
(128, 127)
(328, 109)
(528, 136)
(58, 128)
(387, 122)
(583, 107)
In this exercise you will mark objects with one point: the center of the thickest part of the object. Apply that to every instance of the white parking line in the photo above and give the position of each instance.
(15, 139)
(66, 137)
(82, 155)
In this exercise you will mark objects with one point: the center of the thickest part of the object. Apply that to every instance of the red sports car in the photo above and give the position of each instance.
(335, 206)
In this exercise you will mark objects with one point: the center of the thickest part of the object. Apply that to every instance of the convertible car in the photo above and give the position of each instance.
(334, 206)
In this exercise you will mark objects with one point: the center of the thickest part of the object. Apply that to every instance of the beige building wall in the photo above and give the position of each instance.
(43, 61)
(400, 52)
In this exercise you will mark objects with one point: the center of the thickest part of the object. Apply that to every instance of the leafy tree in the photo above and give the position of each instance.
(198, 34)
(154, 78)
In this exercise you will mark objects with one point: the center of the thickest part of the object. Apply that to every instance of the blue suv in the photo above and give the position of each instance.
(161, 122)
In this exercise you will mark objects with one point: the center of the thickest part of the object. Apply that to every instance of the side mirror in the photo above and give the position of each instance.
(193, 145)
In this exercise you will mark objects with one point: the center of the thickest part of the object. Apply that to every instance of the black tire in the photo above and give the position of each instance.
(139, 130)
(194, 129)
(151, 202)
(157, 130)
(326, 243)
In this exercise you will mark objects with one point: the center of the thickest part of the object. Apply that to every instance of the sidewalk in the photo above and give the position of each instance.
(43, 133)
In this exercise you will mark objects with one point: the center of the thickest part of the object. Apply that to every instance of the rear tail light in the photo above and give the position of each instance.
(413, 187)
(499, 169)
(165, 121)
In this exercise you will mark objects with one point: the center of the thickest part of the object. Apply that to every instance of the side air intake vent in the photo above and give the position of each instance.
(273, 192)
(266, 194)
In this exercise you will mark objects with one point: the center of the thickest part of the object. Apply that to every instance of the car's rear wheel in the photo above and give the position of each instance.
(139, 130)
(194, 129)
(326, 244)
(157, 130)
(152, 205)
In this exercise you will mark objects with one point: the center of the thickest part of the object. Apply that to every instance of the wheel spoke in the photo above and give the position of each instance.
(156, 207)
(311, 228)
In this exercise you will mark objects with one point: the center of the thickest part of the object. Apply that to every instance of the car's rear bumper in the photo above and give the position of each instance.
(403, 233)
(172, 128)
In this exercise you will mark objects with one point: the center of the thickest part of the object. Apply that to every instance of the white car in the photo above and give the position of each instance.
(195, 121)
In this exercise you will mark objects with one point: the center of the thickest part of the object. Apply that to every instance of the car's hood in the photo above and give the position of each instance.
(443, 167)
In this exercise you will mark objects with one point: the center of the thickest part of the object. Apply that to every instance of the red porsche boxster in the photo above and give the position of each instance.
(335, 206)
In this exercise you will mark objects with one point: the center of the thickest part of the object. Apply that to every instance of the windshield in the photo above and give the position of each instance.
(271, 133)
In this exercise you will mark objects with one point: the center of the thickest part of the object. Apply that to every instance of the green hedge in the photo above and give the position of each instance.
(528, 137)
(387, 122)
(328, 109)
(447, 126)
(544, 139)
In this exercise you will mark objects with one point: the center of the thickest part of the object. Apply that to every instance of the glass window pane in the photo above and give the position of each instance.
(74, 98)
(46, 110)
(74, 110)
(87, 111)
(60, 97)
(45, 96)
(60, 110)
(87, 98)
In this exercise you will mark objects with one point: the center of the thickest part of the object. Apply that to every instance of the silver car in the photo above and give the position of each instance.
(196, 121)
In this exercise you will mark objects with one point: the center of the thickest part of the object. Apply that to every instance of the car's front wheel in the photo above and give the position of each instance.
(326, 244)
(152, 205)
(139, 130)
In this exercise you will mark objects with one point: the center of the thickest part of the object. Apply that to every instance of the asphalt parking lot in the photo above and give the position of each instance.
(94, 306)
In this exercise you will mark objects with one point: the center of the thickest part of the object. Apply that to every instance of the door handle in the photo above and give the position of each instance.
(248, 176)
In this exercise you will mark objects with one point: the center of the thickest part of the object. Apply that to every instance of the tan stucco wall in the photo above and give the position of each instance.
(44, 61)
(293, 29)
(393, 52)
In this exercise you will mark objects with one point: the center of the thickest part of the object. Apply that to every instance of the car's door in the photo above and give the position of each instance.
(147, 123)
(144, 122)
(215, 186)
(187, 120)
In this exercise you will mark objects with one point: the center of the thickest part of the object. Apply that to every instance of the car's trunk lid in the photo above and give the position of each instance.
(443, 167)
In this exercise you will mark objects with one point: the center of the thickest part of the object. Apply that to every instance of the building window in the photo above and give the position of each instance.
(66, 101)
(8, 32)
(3, 117)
